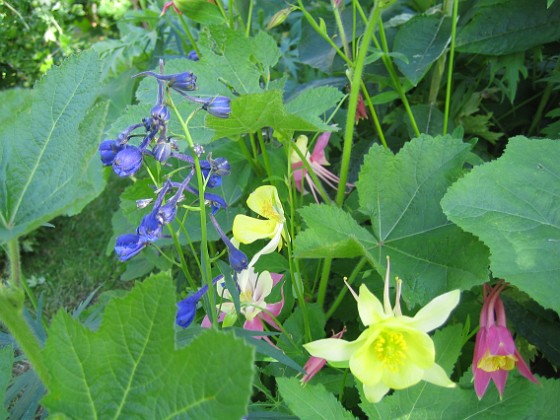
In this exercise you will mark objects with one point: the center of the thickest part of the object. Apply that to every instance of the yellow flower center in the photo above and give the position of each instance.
(268, 211)
(390, 348)
(492, 363)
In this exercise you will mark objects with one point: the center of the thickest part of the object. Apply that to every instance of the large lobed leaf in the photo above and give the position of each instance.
(47, 163)
(401, 194)
(130, 368)
(513, 205)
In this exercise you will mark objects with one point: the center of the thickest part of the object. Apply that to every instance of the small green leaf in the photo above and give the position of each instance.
(505, 27)
(512, 205)
(311, 401)
(130, 368)
(423, 39)
(6, 362)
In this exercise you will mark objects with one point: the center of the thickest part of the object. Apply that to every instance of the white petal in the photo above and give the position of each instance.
(437, 376)
(332, 349)
(436, 312)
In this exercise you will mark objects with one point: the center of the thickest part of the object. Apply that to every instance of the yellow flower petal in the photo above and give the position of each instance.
(248, 229)
(404, 377)
(265, 202)
(437, 376)
(332, 349)
(301, 144)
(436, 312)
(369, 307)
(375, 393)
(365, 365)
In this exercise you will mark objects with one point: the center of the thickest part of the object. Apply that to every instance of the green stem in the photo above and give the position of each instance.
(14, 262)
(254, 164)
(324, 35)
(450, 67)
(264, 153)
(206, 271)
(395, 78)
(353, 102)
(376, 122)
(184, 266)
(11, 314)
(189, 35)
(249, 19)
(344, 290)
(341, 31)
(323, 283)
(538, 114)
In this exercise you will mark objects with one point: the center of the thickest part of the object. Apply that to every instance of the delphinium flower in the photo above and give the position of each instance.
(186, 308)
(254, 288)
(495, 353)
(237, 259)
(394, 351)
(265, 202)
(317, 162)
(218, 106)
(315, 364)
(193, 55)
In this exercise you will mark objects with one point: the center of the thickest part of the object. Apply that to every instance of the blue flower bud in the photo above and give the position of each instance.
(128, 161)
(216, 202)
(108, 149)
(167, 212)
(129, 245)
(237, 259)
(192, 55)
(220, 166)
(182, 82)
(218, 106)
(160, 114)
(186, 308)
(162, 151)
(151, 227)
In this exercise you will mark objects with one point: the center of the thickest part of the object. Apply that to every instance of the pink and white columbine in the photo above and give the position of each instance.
(253, 290)
(317, 162)
(495, 353)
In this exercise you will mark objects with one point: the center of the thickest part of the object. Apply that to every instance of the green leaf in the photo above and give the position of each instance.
(311, 103)
(252, 112)
(311, 401)
(423, 39)
(130, 368)
(428, 252)
(200, 11)
(47, 154)
(331, 232)
(498, 27)
(6, 362)
(423, 399)
(512, 205)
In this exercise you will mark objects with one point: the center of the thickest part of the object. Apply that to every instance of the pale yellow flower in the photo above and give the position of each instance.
(394, 351)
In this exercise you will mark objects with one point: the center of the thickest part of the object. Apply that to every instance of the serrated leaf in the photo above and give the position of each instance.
(311, 401)
(311, 103)
(423, 400)
(201, 11)
(331, 232)
(46, 153)
(512, 204)
(505, 27)
(250, 113)
(422, 39)
(129, 368)
(6, 362)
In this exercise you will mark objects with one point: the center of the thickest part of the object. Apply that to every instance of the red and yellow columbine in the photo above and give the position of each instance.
(495, 353)
(395, 351)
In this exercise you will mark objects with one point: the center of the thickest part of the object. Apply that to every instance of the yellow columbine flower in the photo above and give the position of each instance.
(395, 351)
(265, 202)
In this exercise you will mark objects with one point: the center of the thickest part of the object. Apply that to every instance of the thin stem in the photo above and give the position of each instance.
(344, 290)
(395, 78)
(450, 67)
(14, 262)
(325, 36)
(189, 35)
(249, 19)
(324, 281)
(11, 314)
(353, 102)
(254, 164)
(264, 155)
(376, 122)
(341, 31)
(179, 250)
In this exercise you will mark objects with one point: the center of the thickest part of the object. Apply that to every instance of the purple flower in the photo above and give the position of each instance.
(181, 82)
(218, 106)
(151, 227)
(162, 151)
(129, 245)
(186, 308)
(108, 150)
(193, 55)
(128, 161)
